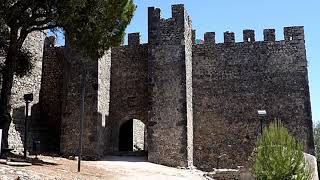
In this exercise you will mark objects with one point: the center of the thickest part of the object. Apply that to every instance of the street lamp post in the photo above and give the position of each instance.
(262, 114)
(28, 98)
(83, 93)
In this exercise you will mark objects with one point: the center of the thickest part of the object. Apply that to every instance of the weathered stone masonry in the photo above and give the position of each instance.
(170, 85)
(21, 86)
(233, 80)
(198, 102)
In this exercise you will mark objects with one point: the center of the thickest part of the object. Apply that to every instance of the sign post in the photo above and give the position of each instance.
(0, 139)
(83, 92)
(28, 98)
(262, 114)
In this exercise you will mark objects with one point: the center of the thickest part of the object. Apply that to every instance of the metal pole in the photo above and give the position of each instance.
(26, 131)
(83, 90)
(261, 121)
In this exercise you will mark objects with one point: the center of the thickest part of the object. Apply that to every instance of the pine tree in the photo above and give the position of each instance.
(280, 156)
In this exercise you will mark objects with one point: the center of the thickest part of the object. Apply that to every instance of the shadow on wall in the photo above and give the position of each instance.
(37, 130)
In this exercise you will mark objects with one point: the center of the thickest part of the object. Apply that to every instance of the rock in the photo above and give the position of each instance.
(312, 162)
(19, 164)
(72, 158)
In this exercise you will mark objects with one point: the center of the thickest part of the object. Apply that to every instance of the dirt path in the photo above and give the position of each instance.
(113, 168)
(138, 168)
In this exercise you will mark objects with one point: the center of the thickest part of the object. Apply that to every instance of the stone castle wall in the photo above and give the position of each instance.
(103, 111)
(169, 80)
(234, 80)
(96, 108)
(129, 92)
(51, 93)
(138, 135)
(28, 84)
(198, 102)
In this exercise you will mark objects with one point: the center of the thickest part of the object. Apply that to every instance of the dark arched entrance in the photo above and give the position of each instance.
(126, 136)
(132, 136)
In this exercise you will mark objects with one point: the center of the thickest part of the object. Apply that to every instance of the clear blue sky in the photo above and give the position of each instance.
(236, 15)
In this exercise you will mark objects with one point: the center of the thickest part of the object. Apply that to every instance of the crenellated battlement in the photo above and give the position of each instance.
(248, 35)
(178, 13)
(133, 39)
(229, 37)
(171, 31)
(291, 34)
(168, 31)
(50, 42)
(269, 35)
(210, 38)
(294, 33)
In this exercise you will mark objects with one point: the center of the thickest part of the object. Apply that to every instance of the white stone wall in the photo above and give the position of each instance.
(28, 84)
(138, 135)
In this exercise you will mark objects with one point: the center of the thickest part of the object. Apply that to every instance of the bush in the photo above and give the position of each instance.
(280, 156)
(316, 135)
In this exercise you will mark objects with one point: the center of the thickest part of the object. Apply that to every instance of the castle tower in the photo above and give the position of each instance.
(170, 130)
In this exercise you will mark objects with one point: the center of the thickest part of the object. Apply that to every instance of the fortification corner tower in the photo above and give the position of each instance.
(170, 131)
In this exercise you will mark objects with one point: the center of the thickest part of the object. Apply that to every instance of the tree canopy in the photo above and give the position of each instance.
(24, 59)
(91, 26)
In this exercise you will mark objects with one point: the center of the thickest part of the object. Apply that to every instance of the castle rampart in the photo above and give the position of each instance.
(198, 102)
(232, 82)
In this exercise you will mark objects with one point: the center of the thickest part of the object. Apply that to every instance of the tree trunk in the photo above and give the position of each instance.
(7, 82)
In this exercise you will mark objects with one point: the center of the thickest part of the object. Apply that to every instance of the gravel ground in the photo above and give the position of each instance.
(113, 168)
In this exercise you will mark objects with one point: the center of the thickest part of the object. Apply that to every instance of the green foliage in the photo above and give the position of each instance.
(95, 26)
(316, 135)
(92, 27)
(280, 156)
(24, 62)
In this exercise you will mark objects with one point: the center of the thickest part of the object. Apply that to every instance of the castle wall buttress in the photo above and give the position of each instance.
(170, 88)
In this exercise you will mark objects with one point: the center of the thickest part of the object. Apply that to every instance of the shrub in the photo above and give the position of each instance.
(280, 156)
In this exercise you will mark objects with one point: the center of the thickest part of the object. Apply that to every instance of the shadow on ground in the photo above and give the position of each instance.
(125, 158)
